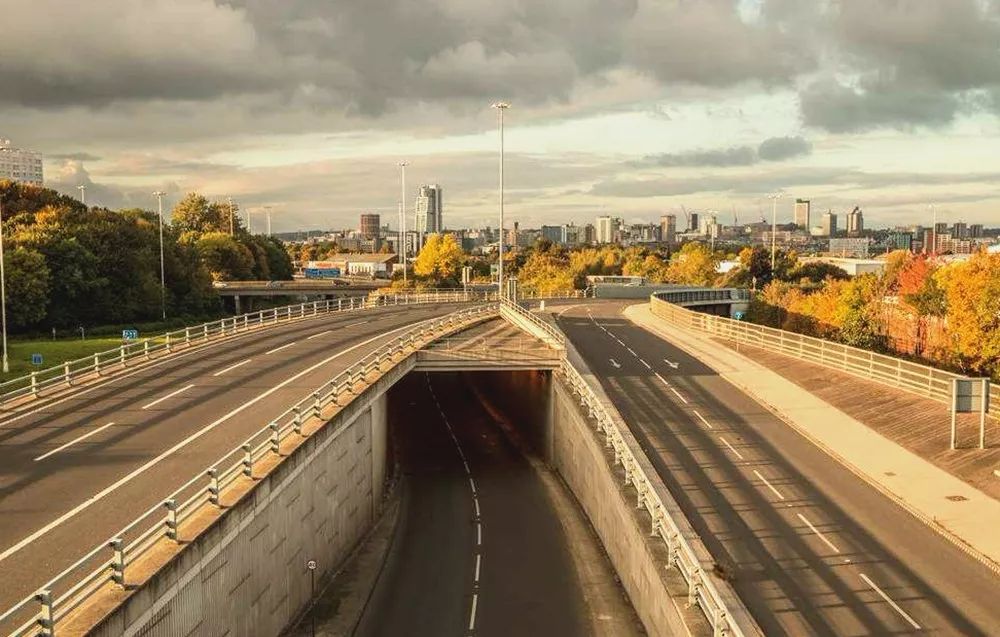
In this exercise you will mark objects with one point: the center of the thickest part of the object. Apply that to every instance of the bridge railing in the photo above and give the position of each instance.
(531, 323)
(93, 366)
(702, 590)
(919, 379)
(111, 562)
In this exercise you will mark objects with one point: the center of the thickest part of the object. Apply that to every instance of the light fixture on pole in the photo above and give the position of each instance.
(3, 296)
(83, 194)
(501, 107)
(774, 197)
(402, 216)
(163, 281)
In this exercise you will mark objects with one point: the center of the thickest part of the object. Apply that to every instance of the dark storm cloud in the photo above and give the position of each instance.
(771, 149)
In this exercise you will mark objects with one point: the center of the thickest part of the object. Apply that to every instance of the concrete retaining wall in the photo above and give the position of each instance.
(246, 574)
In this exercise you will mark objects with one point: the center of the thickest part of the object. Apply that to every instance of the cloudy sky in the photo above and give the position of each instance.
(628, 107)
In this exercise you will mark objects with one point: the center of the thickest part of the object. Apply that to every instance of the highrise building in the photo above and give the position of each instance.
(17, 164)
(855, 222)
(370, 225)
(554, 234)
(959, 230)
(802, 212)
(693, 222)
(976, 231)
(429, 209)
(668, 229)
(829, 226)
(930, 241)
(605, 230)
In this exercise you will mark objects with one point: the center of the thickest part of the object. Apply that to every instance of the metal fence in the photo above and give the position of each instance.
(60, 376)
(547, 332)
(895, 372)
(109, 563)
(701, 589)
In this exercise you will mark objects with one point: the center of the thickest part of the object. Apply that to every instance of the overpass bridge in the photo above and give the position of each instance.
(760, 531)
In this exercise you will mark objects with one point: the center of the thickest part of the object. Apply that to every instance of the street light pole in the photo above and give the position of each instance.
(83, 194)
(774, 226)
(402, 215)
(163, 281)
(232, 225)
(501, 107)
(3, 296)
(267, 213)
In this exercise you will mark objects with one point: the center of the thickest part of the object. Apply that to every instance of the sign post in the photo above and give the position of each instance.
(964, 395)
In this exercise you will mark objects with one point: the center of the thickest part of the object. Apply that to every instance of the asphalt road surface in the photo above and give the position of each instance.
(76, 471)
(811, 548)
(478, 548)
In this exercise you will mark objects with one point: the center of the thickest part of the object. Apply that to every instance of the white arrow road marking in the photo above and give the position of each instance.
(615, 363)
(671, 363)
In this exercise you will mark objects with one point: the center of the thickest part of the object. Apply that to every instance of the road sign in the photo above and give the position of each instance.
(466, 275)
(130, 335)
(36, 359)
(739, 315)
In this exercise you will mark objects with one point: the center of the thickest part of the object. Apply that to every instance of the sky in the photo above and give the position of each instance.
(634, 108)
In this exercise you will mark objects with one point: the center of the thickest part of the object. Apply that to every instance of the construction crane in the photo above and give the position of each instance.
(687, 218)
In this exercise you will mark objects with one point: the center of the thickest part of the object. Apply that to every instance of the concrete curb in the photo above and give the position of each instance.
(947, 534)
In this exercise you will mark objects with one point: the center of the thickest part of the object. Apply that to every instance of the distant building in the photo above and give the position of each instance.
(929, 242)
(856, 247)
(370, 225)
(901, 241)
(572, 235)
(589, 234)
(693, 222)
(605, 230)
(20, 165)
(959, 230)
(976, 231)
(855, 222)
(668, 229)
(374, 265)
(829, 225)
(802, 213)
(430, 218)
(853, 267)
(554, 234)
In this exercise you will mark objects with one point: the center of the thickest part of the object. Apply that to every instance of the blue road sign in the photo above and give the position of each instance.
(36, 359)
(130, 335)
(738, 316)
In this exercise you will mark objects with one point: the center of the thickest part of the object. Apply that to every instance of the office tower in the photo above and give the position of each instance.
(17, 164)
(693, 222)
(802, 213)
(976, 231)
(930, 241)
(605, 230)
(901, 240)
(589, 234)
(429, 209)
(668, 229)
(829, 225)
(370, 225)
(553, 234)
(959, 230)
(855, 222)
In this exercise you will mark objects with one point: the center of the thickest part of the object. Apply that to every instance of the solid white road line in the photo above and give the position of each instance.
(832, 546)
(232, 367)
(891, 603)
(278, 349)
(662, 379)
(170, 395)
(732, 448)
(702, 418)
(74, 441)
(318, 334)
(769, 485)
(100, 495)
(679, 395)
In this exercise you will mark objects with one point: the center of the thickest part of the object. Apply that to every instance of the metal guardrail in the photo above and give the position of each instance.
(109, 562)
(38, 382)
(546, 331)
(702, 591)
(922, 380)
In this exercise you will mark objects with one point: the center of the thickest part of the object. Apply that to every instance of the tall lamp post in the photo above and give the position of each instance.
(501, 107)
(232, 224)
(163, 281)
(3, 296)
(402, 216)
(267, 213)
(774, 197)
(83, 194)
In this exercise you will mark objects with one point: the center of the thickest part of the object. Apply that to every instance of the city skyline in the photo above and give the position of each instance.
(846, 108)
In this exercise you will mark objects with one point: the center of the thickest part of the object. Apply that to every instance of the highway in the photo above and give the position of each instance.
(811, 548)
(76, 471)
(478, 547)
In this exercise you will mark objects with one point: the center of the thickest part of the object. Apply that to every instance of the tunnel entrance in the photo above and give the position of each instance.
(483, 543)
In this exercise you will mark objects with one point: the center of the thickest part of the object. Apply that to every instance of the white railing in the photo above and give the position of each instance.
(532, 324)
(94, 365)
(702, 590)
(110, 562)
(923, 380)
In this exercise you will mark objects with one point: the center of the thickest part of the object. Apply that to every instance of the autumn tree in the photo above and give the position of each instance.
(972, 290)
(545, 273)
(440, 260)
(694, 264)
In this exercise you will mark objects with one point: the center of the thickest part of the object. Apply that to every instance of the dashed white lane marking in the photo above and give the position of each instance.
(679, 395)
(472, 615)
(662, 379)
(74, 441)
(891, 603)
(479, 534)
(100, 495)
(632, 352)
(232, 367)
(832, 546)
(170, 395)
(472, 483)
(702, 418)
(645, 363)
(479, 560)
(278, 349)
(476, 502)
(732, 448)
(318, 334)
(769, 485)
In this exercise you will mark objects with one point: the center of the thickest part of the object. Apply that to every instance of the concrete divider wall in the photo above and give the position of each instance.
(246, 574)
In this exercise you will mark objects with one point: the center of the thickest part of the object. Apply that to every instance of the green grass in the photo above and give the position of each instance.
(53, 352)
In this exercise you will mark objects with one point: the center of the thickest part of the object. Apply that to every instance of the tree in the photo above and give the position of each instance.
(857, 313)
(817, 272)
(694, 264)
(225, 258)
(439, 260)
(194, 213)
(973, 312)
(27, 280)
(546, 272)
